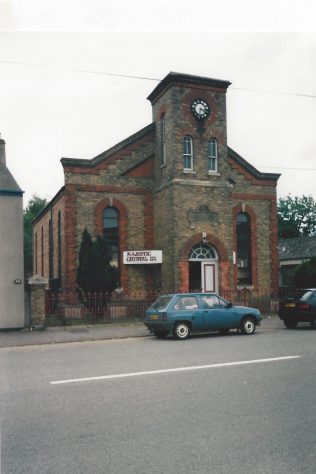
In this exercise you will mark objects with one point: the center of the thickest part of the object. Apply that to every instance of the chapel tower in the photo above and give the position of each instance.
(191, 154)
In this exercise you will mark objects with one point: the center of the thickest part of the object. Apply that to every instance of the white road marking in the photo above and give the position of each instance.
(179, 369)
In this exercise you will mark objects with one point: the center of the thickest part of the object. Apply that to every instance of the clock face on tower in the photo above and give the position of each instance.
(200, 109)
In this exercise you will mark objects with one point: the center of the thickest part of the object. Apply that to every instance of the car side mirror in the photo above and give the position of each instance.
(229, 305)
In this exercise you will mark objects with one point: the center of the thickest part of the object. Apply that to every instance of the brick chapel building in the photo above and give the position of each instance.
(180, 209)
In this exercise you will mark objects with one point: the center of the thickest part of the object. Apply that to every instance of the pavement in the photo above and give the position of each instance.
(57, 335)
(26, 337)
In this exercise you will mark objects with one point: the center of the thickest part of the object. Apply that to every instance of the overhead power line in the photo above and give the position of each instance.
(287, 168)
(85, 71)
(274, 92)
(143, 78)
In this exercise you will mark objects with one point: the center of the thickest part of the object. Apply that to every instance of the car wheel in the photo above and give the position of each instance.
(161, 334)
(290, 324)
(181, 331)
(248, 326)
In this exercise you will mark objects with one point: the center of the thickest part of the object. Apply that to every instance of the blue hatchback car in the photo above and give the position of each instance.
(183, 313)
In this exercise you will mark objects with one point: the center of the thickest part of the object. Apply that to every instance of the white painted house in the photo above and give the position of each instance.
(11, 248)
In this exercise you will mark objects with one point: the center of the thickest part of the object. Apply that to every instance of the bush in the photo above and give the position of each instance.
(305, 274)
(95, 272)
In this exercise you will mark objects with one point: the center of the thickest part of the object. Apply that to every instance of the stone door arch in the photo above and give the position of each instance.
(203, 268)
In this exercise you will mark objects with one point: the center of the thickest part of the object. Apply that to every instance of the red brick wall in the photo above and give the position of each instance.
(41, 258)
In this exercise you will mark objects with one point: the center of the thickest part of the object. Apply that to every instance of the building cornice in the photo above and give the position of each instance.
(187, 79)
(108, 153)
(191, 182)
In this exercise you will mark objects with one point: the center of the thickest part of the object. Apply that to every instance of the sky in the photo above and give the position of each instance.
(75, 74)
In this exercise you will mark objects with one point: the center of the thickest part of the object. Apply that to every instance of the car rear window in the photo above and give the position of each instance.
(161, 303)
(297, 294)
(306, 295)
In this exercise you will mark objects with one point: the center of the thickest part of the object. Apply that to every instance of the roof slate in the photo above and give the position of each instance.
(297, 248)
(7, 182)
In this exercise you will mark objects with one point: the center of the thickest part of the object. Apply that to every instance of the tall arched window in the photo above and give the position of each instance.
(111, 232)
(244, 249)
(59, 248)
(42, 251)
(36, 252)
(187, 153)
(50, 250)
(162, 140)
(212, 155)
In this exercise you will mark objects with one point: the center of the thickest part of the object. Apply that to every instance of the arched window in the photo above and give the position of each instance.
(212, 155)
(162, 140)
(50, 250)
(111, 232)
(59, 248)
(244, 249)
(187, 153)
(202, 252)
(42, 251)
(36, 252)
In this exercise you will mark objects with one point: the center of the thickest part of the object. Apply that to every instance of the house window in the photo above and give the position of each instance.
(212, 155)
(162, 141)
(187, 153)
(111, 232)
(244, 249)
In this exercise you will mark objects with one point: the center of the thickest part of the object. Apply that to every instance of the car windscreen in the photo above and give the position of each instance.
(297, 294)
(222, 301)
(161, 303)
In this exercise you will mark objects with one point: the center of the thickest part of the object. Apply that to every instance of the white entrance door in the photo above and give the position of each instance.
(209, 277)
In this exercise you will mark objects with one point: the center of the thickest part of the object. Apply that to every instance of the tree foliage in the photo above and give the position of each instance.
(305, 274)
(296, 216)
(33, 208)
(95, 272)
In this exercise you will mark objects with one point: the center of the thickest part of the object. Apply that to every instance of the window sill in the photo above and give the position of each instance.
(213, 173)
(246, 286)
(189, 172)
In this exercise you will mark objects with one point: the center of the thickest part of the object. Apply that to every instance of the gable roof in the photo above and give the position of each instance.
(297, 248)
(8, 185)
(251, 169)
(108, 153)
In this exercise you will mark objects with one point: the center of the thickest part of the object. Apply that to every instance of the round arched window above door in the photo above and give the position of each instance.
(203, 268)
(202, 252)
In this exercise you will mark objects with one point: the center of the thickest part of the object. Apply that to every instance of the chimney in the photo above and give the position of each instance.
(2, 152)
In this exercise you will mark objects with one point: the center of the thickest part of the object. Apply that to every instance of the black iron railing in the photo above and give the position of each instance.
(74, 307)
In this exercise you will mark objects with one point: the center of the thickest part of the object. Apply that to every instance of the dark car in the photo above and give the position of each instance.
(298, 307)
(183, 313)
